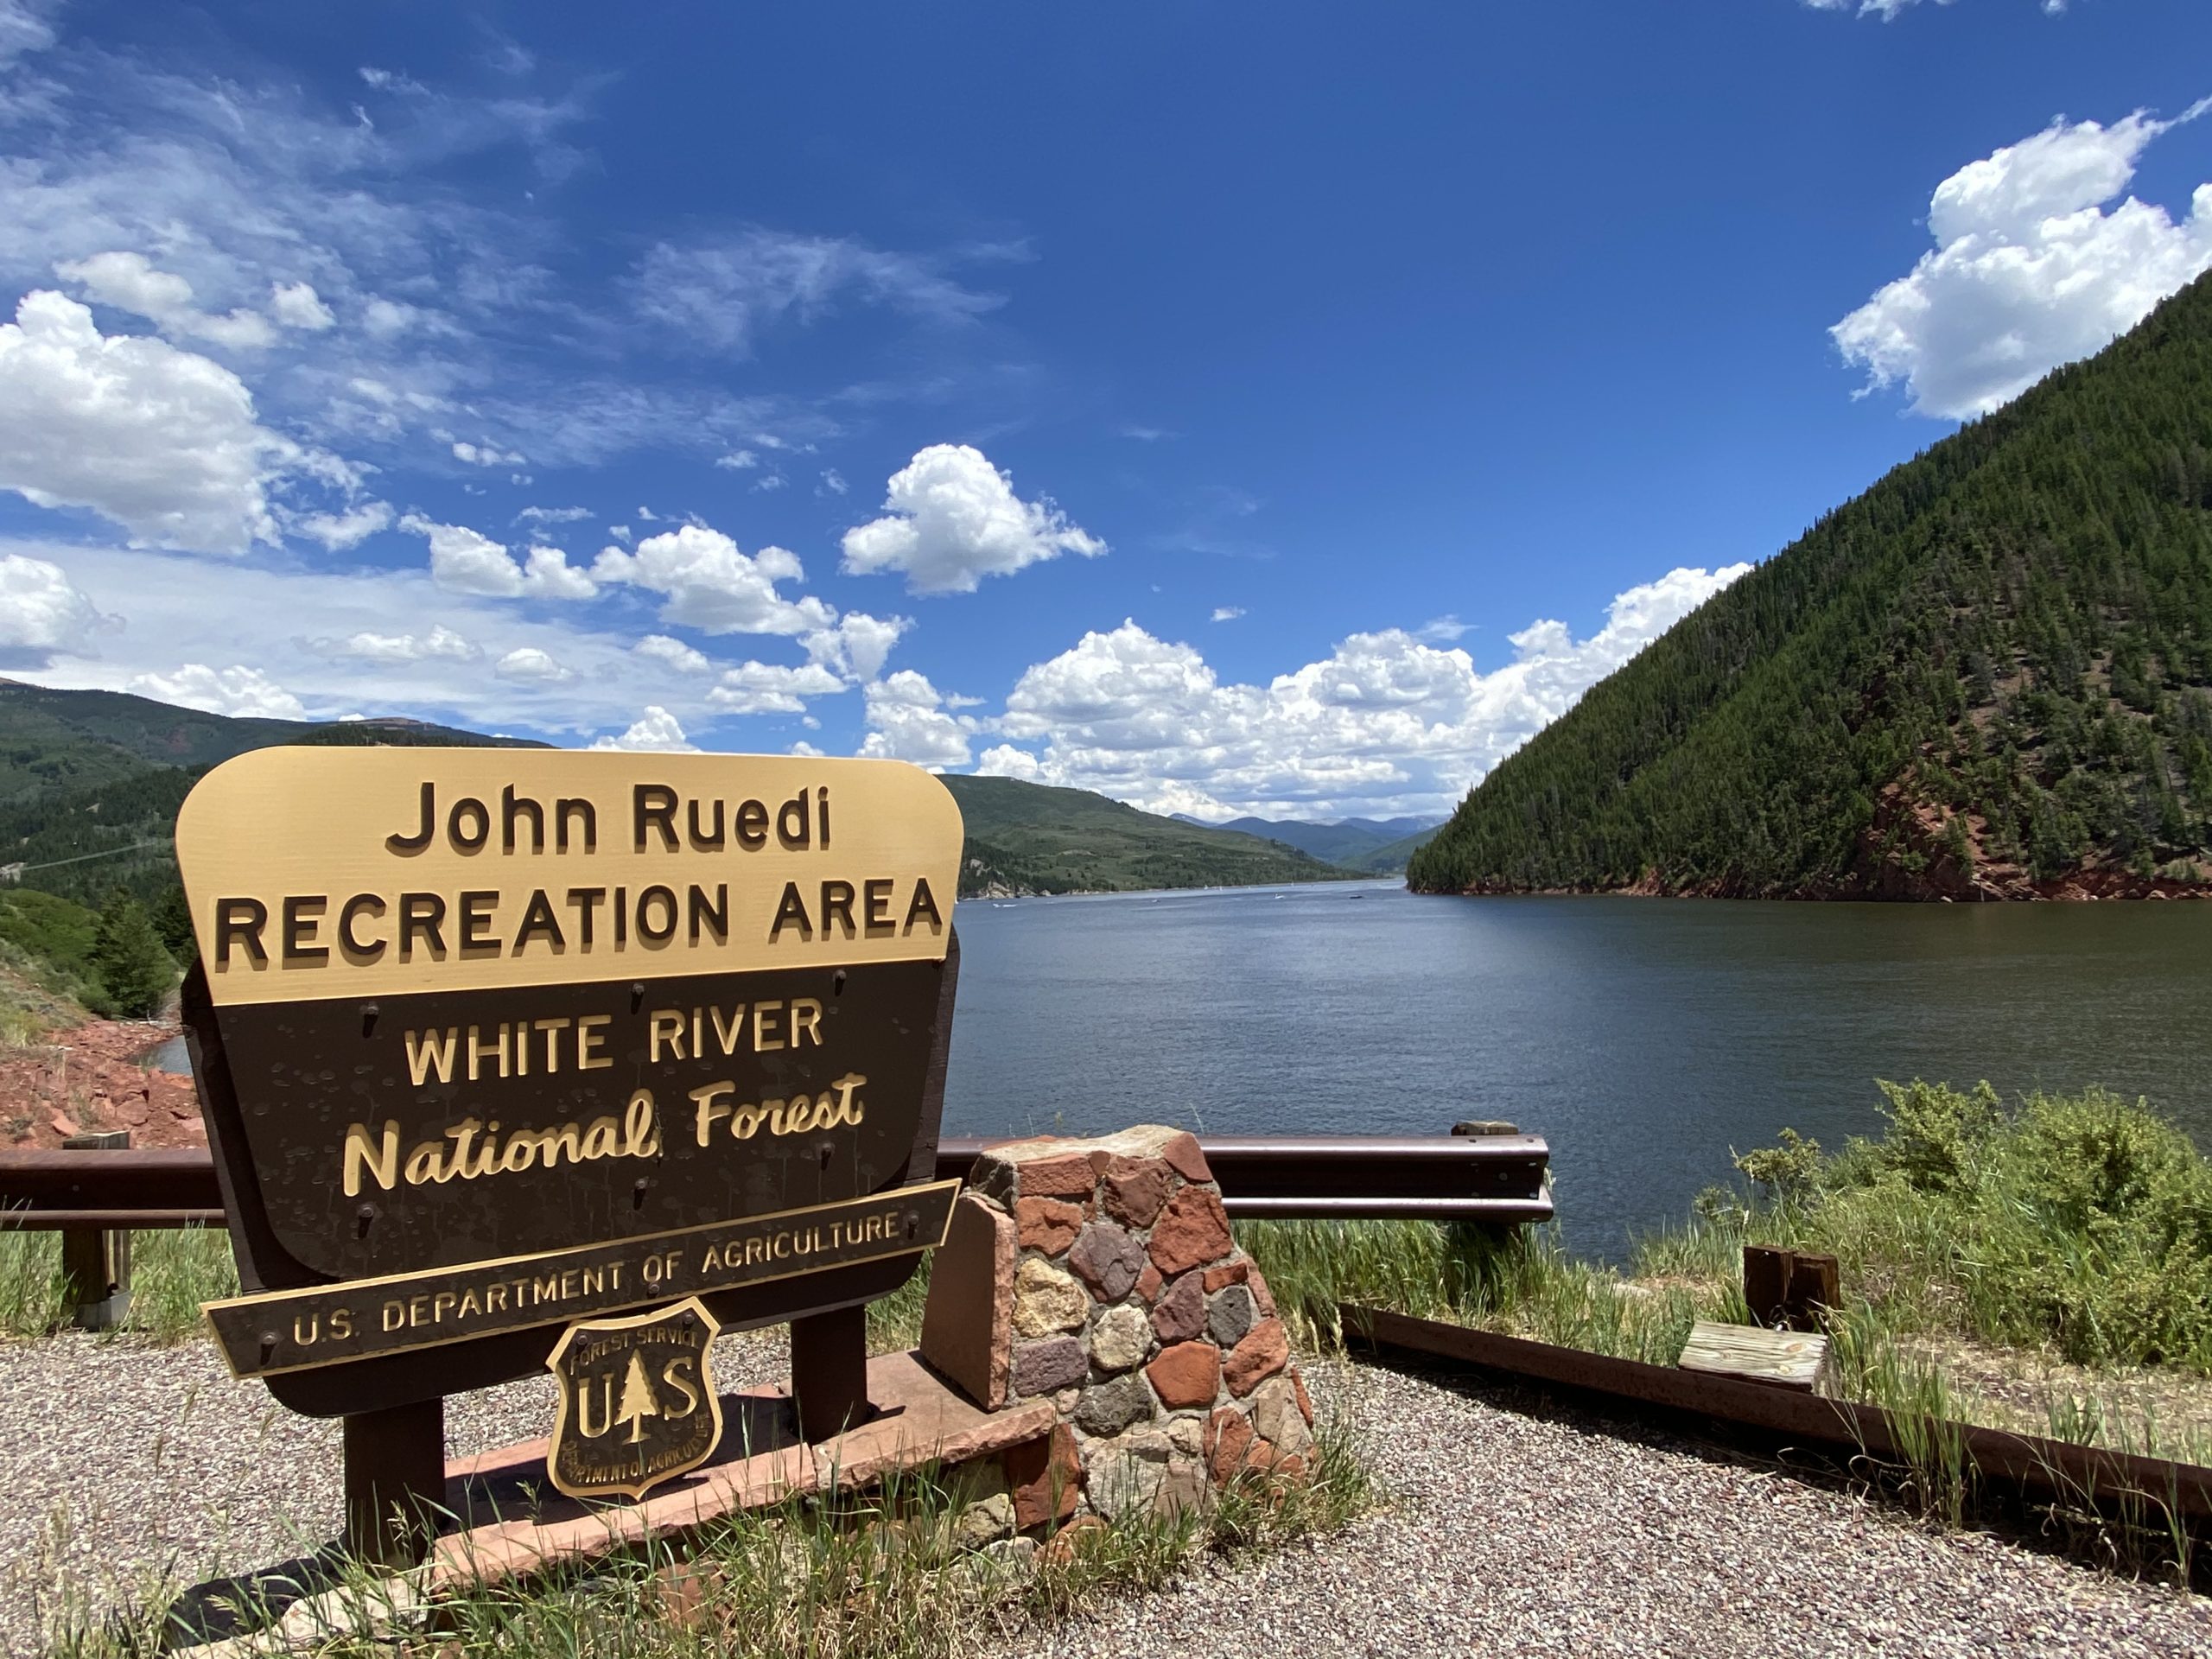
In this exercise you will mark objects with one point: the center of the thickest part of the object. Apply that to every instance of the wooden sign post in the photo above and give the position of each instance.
(492, 1041)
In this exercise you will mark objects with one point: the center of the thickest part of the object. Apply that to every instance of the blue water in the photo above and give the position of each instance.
(1644, 1038)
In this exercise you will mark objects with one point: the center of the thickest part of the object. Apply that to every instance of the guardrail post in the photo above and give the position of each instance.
(395, 1482)
(96, 1261)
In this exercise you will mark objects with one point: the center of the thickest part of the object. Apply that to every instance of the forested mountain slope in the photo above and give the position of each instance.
(1033, 838)
(1985, 676)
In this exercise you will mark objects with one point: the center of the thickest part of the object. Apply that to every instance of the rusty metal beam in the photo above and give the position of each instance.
(2050, 1469)
(1491, 1179)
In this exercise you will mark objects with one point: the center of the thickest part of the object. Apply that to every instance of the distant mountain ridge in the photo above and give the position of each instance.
(1380, 846)
(91, 782)
(1987, 676)
(1033, 838)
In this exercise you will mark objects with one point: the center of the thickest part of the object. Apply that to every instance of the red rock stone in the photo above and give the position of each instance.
(1181, 1313)
(1047, 1225)
(1186, 1376)
(1264, 1352)
(1188, 1160)
(1229, 1444)
(1135, 1188)
(1234, 1274)
(683, 1593)
(1071, 1177)
(1148, 1283)
(1045, 1475)
(1305, 1400)
(1261, 1294)
(1107, 1258)
(1191, 1231)
(968, 1322)
(1070, 1541)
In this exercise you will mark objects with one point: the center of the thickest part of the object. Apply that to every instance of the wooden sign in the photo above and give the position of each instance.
(460, 1012)
(637, 1403)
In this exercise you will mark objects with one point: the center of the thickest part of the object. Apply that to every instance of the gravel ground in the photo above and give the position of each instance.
(1508, 1533)
(127, 1465)
(1505, 1532)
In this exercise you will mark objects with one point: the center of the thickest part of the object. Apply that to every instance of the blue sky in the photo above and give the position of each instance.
(1227, 408)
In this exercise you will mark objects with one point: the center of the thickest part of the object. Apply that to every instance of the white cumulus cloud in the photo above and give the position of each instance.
(440, 641)
(773, 688)
(296, 305)
(162, 442)
(2035, 265)
(339, 530)
(130, 281)
(654, 732)
(485, 454)
(908, 720)
(708, 584)
(236, 690)
(674, 652)
(859, 645)
(953, 518)
(468, 561)
(1386, 723)
(530, 665)
(43, 615)
(1004, 760)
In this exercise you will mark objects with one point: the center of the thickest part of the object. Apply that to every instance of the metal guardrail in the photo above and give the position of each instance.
(1496, 1179)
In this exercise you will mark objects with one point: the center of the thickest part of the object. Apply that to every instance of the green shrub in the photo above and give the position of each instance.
(1936, 1135)
(1788, 1170)
(2084, 1222)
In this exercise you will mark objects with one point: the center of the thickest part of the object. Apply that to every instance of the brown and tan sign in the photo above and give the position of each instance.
(317, 873)
(457, 1009)
(284, 1330)
(638, 1404)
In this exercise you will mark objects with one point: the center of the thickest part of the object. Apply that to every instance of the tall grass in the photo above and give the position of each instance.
(2067, 1233)
(172, 1272)
(2081, 1221)
(1520, 1283)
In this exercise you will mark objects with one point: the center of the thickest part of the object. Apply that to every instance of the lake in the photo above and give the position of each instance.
(1644, 1038)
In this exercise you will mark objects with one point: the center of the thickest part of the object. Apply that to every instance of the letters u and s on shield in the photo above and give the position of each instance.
(638, 1404)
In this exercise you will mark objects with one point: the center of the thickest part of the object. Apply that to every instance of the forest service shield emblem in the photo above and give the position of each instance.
(637, 1405)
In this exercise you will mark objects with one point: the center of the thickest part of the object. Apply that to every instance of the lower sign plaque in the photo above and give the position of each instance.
(638, 1403)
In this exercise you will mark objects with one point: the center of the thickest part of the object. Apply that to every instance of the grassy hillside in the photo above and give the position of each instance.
(90, 781)
(1031, 838)
(1989, 676)
(90, 807)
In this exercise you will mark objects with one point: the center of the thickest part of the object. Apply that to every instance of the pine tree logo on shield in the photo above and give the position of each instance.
(637, 1403)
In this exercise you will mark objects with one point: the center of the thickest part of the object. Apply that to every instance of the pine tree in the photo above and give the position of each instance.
(173, 921)
(638, 1402)
(135, 972)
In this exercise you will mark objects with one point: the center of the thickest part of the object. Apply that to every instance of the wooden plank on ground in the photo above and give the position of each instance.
(1786, 1359)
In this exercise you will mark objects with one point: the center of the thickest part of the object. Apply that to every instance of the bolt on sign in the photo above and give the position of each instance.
(490, 1041)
